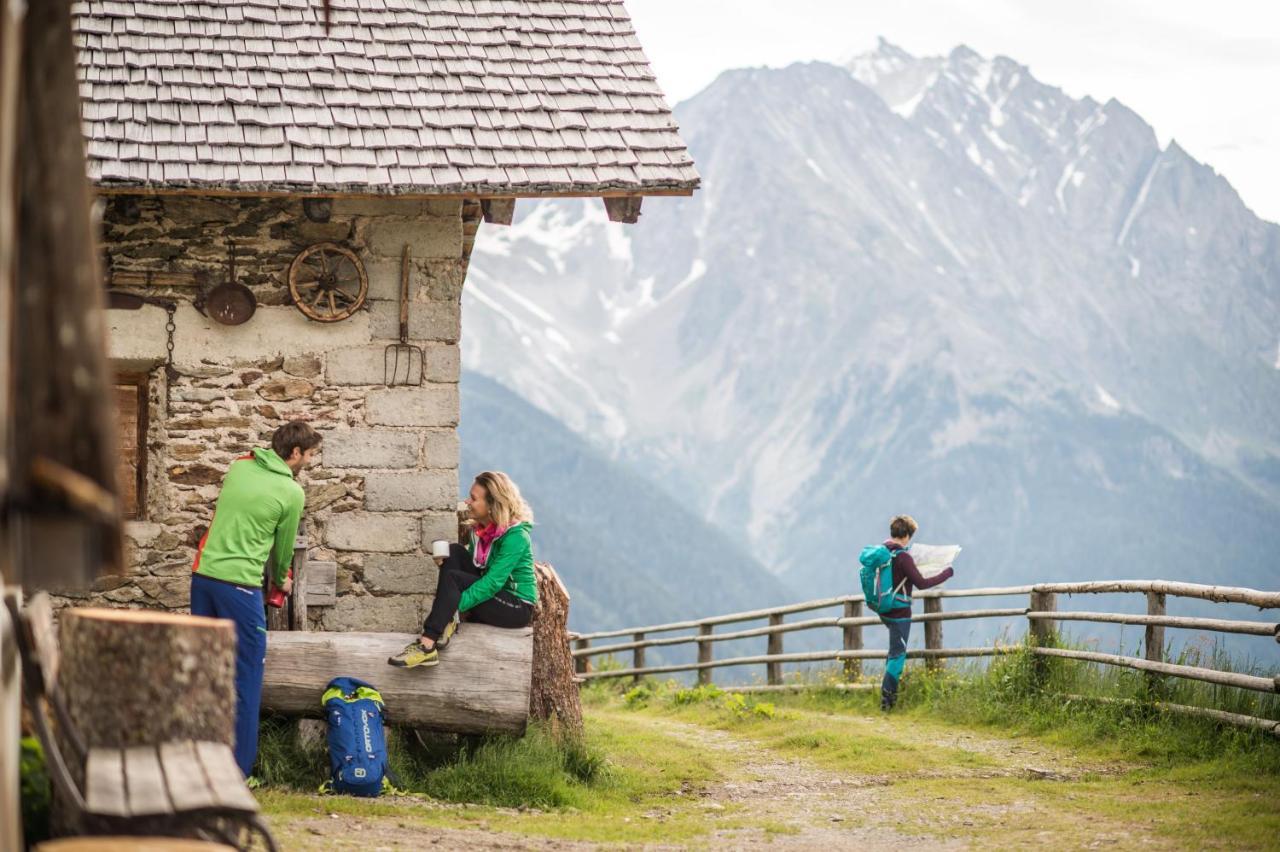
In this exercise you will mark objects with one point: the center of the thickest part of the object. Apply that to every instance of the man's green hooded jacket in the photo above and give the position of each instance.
(256, 516)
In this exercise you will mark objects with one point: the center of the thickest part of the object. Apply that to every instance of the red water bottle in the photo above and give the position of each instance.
(275, 595)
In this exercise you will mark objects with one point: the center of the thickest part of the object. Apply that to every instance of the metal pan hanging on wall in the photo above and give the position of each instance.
(327, 282)
(230, 303)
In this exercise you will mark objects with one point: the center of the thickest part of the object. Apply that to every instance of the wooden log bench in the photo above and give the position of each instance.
(481, 685)
(181, 787)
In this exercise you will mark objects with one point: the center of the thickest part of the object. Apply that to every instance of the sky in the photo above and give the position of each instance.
(1204, 73)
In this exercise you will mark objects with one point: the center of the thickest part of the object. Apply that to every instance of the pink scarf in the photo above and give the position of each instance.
(485, 537)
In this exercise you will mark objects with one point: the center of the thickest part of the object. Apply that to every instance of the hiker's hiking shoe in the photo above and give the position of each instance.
(449, 629)
(415, 655)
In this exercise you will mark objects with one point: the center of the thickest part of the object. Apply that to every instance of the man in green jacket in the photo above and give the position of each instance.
(256, 517)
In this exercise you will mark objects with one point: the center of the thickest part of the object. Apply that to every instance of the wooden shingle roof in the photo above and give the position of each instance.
(474, 97)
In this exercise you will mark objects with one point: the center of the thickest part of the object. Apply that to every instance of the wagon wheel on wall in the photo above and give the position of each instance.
(328, 282)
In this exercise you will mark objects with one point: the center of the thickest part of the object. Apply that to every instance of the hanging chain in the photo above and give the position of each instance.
(170, 372)
(170, 327)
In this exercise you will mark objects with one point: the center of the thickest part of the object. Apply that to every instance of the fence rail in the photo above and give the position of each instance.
(1042, 615)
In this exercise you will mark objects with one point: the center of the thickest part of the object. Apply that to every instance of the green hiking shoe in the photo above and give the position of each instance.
(415, 655)
(449, 629)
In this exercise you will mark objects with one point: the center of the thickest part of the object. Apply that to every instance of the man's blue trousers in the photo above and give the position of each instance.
(243, 607)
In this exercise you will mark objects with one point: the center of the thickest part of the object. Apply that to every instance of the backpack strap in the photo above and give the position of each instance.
(898, 589)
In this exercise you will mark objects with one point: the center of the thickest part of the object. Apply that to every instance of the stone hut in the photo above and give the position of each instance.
(227, 139)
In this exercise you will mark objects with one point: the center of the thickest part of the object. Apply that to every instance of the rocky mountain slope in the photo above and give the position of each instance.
(934, 285)
(629, 553)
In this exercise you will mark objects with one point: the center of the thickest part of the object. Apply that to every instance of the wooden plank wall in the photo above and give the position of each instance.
(129, 395)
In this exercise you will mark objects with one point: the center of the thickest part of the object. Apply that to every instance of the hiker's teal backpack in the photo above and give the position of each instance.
(357, 743)
(877, 580)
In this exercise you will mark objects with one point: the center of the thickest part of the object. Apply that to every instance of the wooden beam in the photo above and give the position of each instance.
(11, 14)
(481, 685)
(10, 724)
(1221, 594)
(852, 635)
(625, 209)
(1243, 681)
(705, 651)
(222, 192)
(933, 631)
(498, 211)
(58, 366)
(773, 647)
(1252, 628)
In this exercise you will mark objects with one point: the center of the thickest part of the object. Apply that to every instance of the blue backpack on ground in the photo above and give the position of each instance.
(877, 580)
(357, 742)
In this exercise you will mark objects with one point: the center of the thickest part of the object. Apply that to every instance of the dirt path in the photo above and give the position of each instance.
(767, 799)
(812, 808)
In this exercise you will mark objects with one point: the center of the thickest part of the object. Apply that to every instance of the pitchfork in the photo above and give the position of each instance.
(412, 355)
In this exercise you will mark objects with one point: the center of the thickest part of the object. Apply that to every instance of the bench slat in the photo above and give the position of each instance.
(104, 777)
(144, 782)
(225, 780)
(184, 777)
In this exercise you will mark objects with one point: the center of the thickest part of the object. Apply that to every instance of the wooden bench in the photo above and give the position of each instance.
(179, 788)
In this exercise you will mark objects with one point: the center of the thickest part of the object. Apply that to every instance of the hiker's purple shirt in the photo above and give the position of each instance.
(904, 568)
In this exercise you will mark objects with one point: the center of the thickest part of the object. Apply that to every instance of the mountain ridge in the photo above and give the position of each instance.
(997, 310)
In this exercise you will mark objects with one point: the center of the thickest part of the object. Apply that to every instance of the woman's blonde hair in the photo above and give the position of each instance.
(506, 506)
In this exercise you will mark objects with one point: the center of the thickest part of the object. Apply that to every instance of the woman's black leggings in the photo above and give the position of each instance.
(457, 573)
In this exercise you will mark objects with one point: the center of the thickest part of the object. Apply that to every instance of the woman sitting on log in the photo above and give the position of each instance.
(491, 579)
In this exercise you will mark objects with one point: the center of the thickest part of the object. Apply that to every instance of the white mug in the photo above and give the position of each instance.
(440, 549)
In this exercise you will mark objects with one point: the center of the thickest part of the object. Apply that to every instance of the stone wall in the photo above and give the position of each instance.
(386, 480)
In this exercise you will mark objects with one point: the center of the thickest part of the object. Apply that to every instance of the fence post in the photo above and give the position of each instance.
(1153, 642)
(637, 659)
(1041, 632)
(704, 653)
(773, 671)
(933, 634)
(852, 640)
(582, 665)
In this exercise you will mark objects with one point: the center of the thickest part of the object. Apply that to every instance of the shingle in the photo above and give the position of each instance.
(398, 96)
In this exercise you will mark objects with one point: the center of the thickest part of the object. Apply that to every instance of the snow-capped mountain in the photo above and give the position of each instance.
(933, 285)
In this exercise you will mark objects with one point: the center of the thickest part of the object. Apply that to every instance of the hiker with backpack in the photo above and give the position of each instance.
(491, 580)
(256, 517)
(888, 576)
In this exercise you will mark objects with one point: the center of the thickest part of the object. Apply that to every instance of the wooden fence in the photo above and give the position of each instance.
(1041, 612)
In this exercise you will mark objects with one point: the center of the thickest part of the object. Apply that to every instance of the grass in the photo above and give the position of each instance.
(616, 786)
(1022, 695)
(952, 760)
(1125, 774)
(534, 771)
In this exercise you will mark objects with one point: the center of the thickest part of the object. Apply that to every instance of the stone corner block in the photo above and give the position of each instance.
(401, 575)
(428, 405)
(367, 613)
(371, 448)
(372, 365)
(410, 492)
(437, 526)
(442, 449)
(369, 531)
(426, 236)
(435, 319)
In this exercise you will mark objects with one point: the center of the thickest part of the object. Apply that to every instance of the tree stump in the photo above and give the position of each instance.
(139, 677)
(553, 697)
